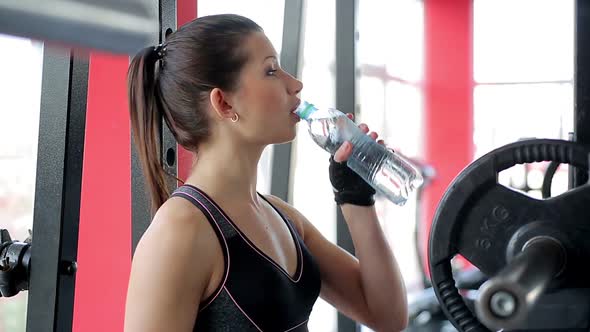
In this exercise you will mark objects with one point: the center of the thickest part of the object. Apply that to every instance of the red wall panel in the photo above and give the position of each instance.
(448, 92)
(104, 245)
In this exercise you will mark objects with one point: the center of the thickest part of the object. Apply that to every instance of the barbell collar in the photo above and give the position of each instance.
(505, 300)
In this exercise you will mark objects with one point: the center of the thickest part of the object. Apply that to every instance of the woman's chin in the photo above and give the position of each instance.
(287, 138)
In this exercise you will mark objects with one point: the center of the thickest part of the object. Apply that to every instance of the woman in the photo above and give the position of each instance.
(218, 256)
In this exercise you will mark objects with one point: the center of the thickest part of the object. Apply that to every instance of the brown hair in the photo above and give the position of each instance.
(173, 82)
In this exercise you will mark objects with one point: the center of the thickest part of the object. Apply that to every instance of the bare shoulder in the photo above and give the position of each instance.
(181, 224)
(172, 266)
(181, 231)
(291, 212)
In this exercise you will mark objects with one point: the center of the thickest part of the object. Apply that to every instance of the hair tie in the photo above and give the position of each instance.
(160, 51)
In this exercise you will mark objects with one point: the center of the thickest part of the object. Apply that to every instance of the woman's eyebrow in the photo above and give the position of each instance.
(269, 57)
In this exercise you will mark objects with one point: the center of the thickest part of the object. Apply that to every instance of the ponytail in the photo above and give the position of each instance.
(146, 117)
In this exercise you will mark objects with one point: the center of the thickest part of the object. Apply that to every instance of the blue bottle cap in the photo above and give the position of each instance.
(305, 109)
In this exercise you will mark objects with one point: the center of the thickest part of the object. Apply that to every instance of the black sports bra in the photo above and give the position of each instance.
(255, 294)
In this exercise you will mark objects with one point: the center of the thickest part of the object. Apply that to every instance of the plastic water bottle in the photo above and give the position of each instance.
(389, 173)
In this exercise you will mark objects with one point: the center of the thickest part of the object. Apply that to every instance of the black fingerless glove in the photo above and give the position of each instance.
(348, 186)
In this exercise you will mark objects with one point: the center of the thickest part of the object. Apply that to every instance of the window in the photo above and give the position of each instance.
(533, 43)
(309, 162)
(523, 70)
(20, 92)
(390, 57)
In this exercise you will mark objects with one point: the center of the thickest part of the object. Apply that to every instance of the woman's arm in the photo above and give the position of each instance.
(381, 279)
(369, 288)
(171, 268)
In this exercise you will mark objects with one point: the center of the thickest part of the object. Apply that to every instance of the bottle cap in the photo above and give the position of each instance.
(305, 109)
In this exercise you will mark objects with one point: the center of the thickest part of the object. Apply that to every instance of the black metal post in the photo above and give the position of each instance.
(169, 153)
(346, 33)
(582, 82)
(60, 155)
(290, 54)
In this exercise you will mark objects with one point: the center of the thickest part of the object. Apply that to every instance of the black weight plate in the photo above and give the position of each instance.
(477, 217)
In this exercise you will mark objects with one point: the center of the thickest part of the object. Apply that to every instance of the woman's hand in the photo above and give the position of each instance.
(345, 150)
(348, 186)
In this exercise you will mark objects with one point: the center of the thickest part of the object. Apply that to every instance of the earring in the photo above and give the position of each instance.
(235, 117)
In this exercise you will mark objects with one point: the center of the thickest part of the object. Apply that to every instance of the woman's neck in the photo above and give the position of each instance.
(226, 171)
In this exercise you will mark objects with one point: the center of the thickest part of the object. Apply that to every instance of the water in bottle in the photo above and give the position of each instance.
(389, 173)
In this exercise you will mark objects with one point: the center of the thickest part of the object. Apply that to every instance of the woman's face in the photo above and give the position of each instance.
(266, 95)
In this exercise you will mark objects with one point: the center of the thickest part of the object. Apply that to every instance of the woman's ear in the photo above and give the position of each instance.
(221, 104)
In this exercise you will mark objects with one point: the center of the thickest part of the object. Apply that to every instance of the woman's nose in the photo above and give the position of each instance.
(294, 85)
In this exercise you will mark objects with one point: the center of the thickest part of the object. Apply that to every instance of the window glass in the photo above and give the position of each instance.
(524, 70)
(390, 56)
(391, 33)
(20, 93)
(523, 40)
(506, 113)
(311, 188)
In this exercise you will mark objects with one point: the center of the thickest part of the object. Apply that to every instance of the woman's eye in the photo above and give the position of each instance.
(271, 72)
